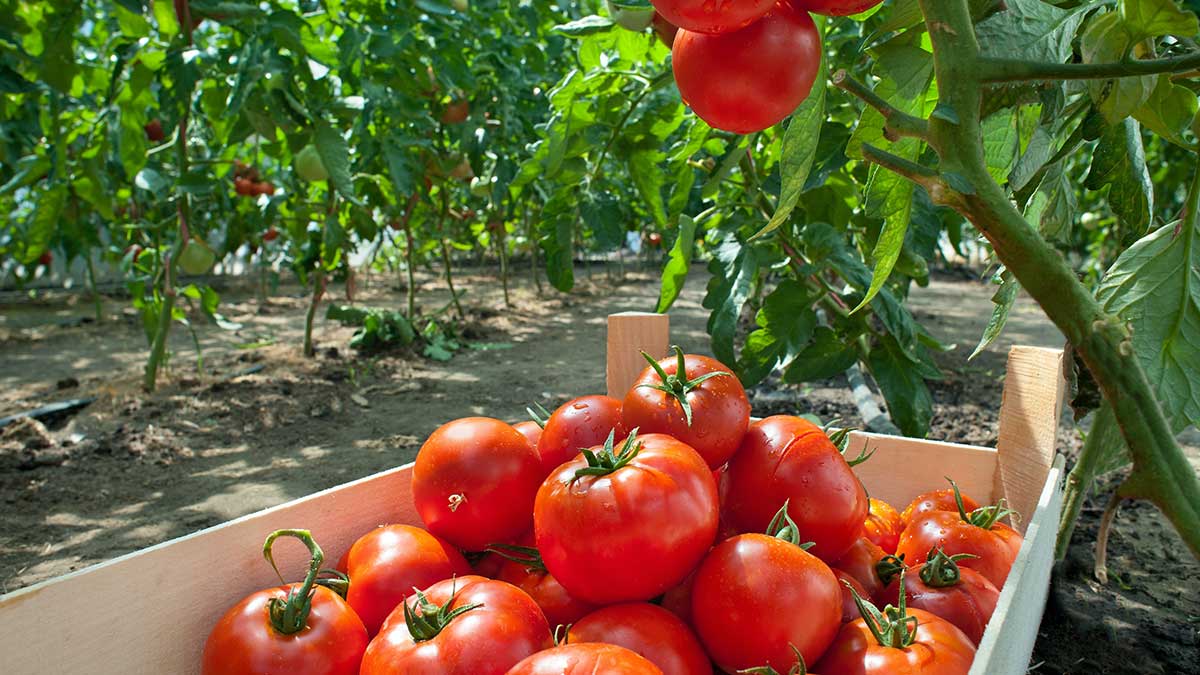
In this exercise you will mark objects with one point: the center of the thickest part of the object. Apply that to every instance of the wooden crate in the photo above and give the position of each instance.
(150, 611)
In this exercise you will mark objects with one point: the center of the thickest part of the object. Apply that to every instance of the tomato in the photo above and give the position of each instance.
(196, 257)
(522, 567)
(648, 630)
(883, 525)
(625, 526)
(464, 626)
(577, 424)
(456, 112)
(385, 564)
(835, 7)
(531, 430)
(706, 16)
(678, 600)
(309, 165)
(665, 30)
(154, 130)
(278, 631)
(849, 607)
(708, 410)
(959, 595)
(271, 234)
(588, 658)
(749, 79)
(784, 458)
(933, 647)
(977, 533)
(243, 186)
(474, 482)
(860, 561)
(264, 188)
(654, 239)
(757, 596)
(45, 258)
(937, 500)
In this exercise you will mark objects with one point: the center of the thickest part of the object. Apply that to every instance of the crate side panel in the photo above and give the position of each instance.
(903, 468)
(1008, 642)
(150, 611)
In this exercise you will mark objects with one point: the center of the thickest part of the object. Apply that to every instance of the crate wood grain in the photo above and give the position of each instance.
(150, 611)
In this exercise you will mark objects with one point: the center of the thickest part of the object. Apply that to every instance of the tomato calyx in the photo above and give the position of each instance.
(290, 615)
(985, 516)
(677, 385)
(609, 460)
(522, 555)
(433, 618)
(538, 413)
(892, 626)
(941, 570)
(798, 668)
(336, 581)
(783, 527)
(889, 567)
(841, 440)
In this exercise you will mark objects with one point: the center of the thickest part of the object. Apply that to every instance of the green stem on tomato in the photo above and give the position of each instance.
(290, 615)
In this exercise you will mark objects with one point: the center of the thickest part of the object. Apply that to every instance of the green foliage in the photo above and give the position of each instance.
(377, 328)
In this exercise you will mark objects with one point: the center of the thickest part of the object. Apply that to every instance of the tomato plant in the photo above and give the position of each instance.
(298, 628)
(649, 505)
(463, 626)
(474, 482)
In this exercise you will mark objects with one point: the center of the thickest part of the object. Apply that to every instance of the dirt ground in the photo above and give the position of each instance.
(261, 426)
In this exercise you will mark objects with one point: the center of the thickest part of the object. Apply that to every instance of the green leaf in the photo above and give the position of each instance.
(1153, 18)
(44, 222)
(1155, 285)
(1106, 41)
(826, 356)
(1032, 30)
(58, 39)
(799, 151)
(909, 402)
(679, 261)
(1001, 143)
(164, 16)
(1169, 110)
(335, 155)
(734, 269)
(588, 25)
(1003, 299)
(786, 323)
(1037, 153)
(1061, 207)
(889, 196)
(648, 178)
(1119, 162)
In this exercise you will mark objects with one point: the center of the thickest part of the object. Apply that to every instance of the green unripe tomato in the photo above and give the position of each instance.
(461, 5)
(197, 257)
(630, 16)
(309, 165)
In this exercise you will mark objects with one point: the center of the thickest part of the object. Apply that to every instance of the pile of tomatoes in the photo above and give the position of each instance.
(665, 533)
(745, 66)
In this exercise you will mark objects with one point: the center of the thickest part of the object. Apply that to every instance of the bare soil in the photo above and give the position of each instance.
(260, 425)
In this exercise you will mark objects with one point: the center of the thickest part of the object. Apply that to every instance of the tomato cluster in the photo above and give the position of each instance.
(662, 533)
(246, 181)
(745, 66)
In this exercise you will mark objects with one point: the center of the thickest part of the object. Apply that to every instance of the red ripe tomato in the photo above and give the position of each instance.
(835, 7)
(474, 482)
(937, 500)
(654, 239)
(995, 544)
(577, 424)
(464, 626)
(883, 525)
(154, 130)
(385, 564)
(522, 567)
(264, 188)
(648, 630)
(243, 186)
(588, 658)
(959, 595)
(784, 458)
(790, 597)
(707, 410)
(530, 430)
(271, 234)
(935, 647)
(706, 16)
(849, 606)
(647, 513)
(278, 631)
(859, 562)
(456, 112)
(749, 79)
(45, 258)
(665, 30)
(678, 600)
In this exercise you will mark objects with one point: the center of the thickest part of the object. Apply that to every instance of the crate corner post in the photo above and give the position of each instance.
(630, 334)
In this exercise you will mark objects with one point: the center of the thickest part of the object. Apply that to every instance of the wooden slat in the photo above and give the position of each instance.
(1029, 412)
(629, 334)
(903, 468)
(1008, 642)
(150, 611)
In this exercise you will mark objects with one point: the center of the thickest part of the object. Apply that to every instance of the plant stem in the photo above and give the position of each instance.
(1161, 473)
(1100, 568)
(446, 254)
(310, 315)
(1104, 430)
(533, 249)
(410, 256)
(91, 270)
(502, 245)
(1013, 70)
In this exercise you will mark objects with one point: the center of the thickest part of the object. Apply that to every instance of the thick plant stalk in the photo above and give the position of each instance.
(1161, 473)
(310, 315)
(91, 270)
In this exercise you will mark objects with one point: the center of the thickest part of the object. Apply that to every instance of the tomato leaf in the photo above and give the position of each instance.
(785, 326)
(1119, 161)
(1003, 299)
(335, 155)
(1169, 110)
(1106, 40)
(648, 179)
(827, 355)
(734, 269)
(588, 25)
(679, 261)
(1031, 29)
(1152, 18)
(909, 402)
(43, 222)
